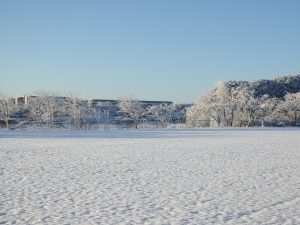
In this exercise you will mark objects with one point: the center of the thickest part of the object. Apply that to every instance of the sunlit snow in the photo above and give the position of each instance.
(192, 176)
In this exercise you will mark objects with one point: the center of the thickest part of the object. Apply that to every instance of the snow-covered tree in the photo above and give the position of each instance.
(179, 113)
(74, 109)
(290, 106)
(210, 106)
(248, 105)
(7, 108)
(267, 110)
(46, 105)
(131, 108)
(217, 103)
(162, 112)
(193, 115)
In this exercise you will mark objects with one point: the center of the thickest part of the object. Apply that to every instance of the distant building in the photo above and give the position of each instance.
(97, 102)
(23, 100)
(92, 102)
(106, 102)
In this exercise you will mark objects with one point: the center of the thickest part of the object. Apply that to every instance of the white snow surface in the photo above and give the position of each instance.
(188, 176)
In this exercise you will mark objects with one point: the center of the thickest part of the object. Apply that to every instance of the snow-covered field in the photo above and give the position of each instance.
(193, 176)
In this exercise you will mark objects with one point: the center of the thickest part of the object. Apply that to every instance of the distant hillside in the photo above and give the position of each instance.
(274, 88)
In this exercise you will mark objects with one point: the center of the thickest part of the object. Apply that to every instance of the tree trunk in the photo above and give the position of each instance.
(249, 119)
(241, 123)
(225, 119)
(231, 119)
(263, 119)
(81, 123)
(135, 124)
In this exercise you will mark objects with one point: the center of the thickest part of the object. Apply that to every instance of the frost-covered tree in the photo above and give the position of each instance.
(193, 114)
(162, 112)
(222, 97)
(179, 113)
(73, 109)
(290, 106)
(267, 110)
(7, 108)
(210, 106)
(217, 103)
(46, 105)
(248, 105)
(276, 88)
(131, 108)
(229, 104)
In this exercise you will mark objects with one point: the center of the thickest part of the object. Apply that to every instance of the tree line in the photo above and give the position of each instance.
(66, 110)
(231, 103)
(242, 103)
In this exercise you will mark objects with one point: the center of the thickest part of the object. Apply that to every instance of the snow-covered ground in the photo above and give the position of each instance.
(193, 176)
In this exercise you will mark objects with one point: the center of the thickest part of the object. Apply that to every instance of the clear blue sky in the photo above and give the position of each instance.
(155, 50)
